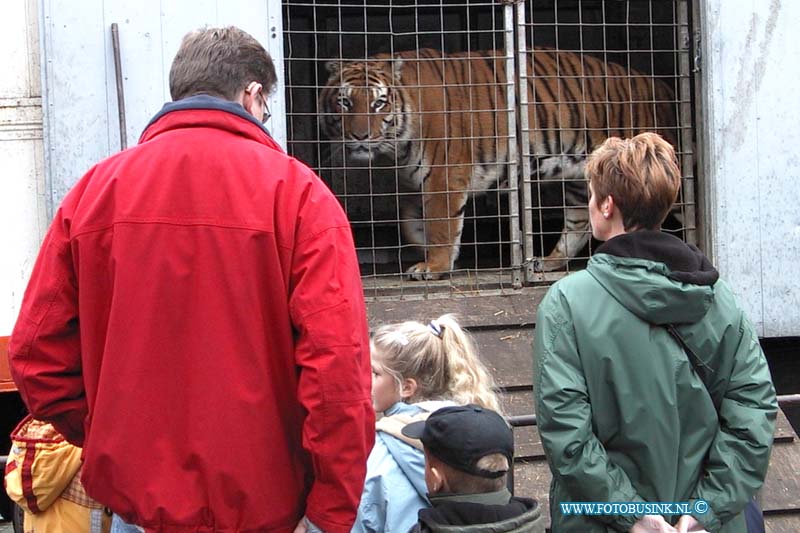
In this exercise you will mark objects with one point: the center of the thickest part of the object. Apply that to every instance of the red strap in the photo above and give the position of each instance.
(27, 479)
(10, 466)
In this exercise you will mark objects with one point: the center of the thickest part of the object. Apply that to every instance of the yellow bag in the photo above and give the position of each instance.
(43, 477)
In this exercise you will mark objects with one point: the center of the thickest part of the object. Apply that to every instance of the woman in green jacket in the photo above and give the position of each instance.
(624, 414)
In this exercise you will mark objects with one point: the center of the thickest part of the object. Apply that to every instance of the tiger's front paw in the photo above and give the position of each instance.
(422, 271)
(546, 264)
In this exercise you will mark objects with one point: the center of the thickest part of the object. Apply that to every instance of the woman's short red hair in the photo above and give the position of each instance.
(640, 173)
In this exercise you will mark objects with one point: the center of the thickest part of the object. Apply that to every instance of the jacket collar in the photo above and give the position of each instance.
(205, 110)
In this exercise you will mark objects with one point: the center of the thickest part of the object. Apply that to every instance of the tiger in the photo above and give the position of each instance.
(441, 118)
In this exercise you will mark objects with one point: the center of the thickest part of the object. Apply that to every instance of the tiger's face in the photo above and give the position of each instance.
(363, 106)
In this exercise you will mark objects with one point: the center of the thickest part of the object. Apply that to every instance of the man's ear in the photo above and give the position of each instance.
(408, 388)
(248, 99)
(437, 481)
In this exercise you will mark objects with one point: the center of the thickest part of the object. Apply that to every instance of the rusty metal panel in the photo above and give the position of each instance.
(752, 77)
(6, 383)
(80, 116)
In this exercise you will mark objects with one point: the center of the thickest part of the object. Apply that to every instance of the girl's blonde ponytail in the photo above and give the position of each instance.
(470, 381)
(440, 357)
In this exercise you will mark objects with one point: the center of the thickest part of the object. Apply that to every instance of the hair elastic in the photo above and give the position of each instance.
(436, 328)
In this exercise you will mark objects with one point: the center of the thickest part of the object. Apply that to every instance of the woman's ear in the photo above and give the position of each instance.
(607, 207)
(408, 388)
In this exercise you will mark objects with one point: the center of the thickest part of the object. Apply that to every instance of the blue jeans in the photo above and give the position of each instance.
(118, 525)
(754, 517)
(312, 528)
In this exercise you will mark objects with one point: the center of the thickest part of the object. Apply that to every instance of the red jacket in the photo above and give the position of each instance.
(196, 321)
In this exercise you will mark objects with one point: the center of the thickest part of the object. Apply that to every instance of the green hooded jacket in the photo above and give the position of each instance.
(623, 415)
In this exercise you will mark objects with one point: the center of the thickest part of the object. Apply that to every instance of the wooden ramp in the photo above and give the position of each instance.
(502, 326)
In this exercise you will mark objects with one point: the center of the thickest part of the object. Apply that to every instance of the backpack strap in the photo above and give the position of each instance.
(699, 367)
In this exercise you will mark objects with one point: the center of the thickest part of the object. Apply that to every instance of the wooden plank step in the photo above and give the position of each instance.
(782, 523)
(508, 353)
(502, 310)
(781, 491)
(784, 432)
(532, 480)
(517, 402)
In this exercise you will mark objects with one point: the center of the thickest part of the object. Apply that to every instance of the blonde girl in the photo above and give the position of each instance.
(416, 368)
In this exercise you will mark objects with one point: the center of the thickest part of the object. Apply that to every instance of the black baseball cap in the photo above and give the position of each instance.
(461, 435)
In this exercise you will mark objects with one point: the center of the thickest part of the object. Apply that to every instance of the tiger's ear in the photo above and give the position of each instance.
(334, 66)
(397, 68)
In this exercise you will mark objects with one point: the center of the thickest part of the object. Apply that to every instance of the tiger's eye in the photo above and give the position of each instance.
(344, 102)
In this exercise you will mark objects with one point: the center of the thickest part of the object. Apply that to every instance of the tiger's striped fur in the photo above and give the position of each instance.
(442, 118)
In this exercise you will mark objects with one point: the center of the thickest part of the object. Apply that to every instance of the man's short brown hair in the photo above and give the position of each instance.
(641, 174)
(465, 483)
(220, 62)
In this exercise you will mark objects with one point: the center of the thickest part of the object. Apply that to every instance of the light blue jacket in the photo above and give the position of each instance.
(394, 490)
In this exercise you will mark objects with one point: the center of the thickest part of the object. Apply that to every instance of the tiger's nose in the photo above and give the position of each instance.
(359, 136)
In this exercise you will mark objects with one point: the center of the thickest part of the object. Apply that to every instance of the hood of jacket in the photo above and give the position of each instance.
(656, 276)
(496, 512)
(407, 455)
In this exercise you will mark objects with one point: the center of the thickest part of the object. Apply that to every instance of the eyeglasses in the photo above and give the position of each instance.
(266, 114)
(256, 88)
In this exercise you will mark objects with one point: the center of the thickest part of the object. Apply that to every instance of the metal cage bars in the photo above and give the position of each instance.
(521, 188)
(530, 189)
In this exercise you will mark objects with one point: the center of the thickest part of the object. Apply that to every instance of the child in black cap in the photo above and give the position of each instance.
(468, 451)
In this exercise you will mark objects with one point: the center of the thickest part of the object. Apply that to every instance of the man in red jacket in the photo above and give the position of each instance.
(195, 319)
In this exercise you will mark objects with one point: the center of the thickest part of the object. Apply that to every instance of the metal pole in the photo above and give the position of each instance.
(786, 400)
(689, 181)
(511, 139)
(123, 131)
(527, 188)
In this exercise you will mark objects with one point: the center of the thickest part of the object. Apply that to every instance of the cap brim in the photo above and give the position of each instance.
(414, 430)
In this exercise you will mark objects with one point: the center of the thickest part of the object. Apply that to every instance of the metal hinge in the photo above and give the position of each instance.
(697, 58)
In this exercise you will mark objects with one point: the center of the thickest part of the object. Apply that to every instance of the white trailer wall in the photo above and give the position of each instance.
(23, 217)
(750, 81)
(81, 117)
(751, 75)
